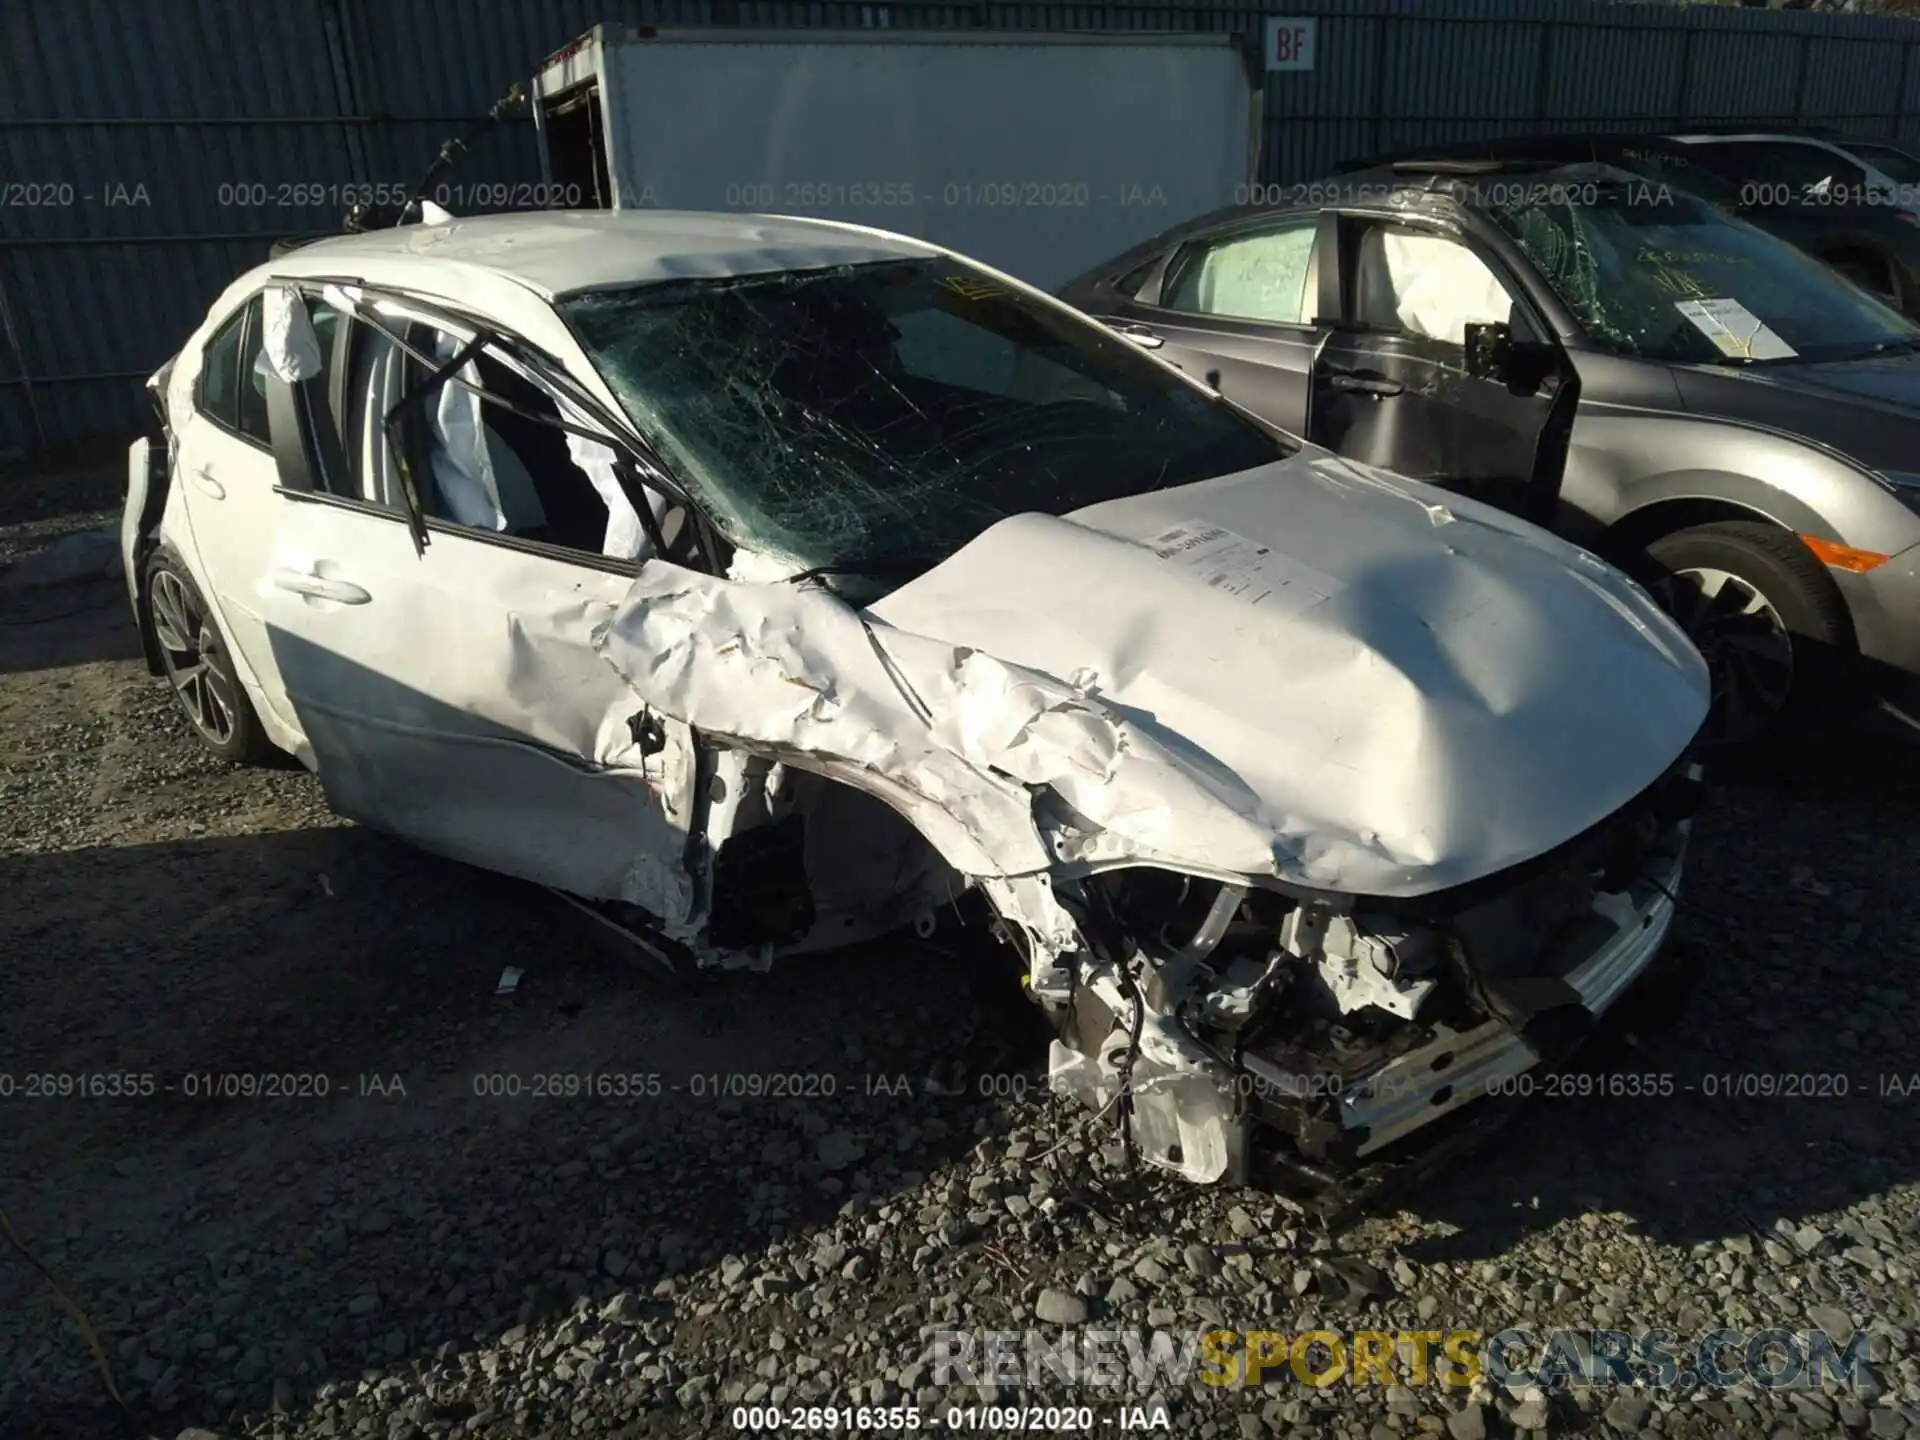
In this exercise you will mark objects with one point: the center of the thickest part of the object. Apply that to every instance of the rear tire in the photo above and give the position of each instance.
(198, 665)
(1770, 623)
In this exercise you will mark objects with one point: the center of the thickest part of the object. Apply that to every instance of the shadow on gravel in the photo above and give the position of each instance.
(1791, 1085)
(54, 626)
(356, 1153)
(64, 480)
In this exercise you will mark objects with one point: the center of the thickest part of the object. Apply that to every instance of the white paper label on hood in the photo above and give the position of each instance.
(1256, 573)
(1735, 330)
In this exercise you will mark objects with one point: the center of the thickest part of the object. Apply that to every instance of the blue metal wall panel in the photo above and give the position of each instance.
(156, 150)
(1612, 77)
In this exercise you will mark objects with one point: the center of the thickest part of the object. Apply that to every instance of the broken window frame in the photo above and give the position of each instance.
(412, 397)
(642, 473)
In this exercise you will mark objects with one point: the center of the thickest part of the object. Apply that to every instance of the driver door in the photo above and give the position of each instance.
(1396, 383)
(442, 664)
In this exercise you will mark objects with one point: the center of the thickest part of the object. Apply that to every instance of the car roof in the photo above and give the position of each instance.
(1452, 175)
(1509, 148)
(1571, 141)
(557, 252)
(1754, 137)
(1446, 179)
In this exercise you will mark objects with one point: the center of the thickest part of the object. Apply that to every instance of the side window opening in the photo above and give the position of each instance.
(497, 462)
(534, 466)
(316, 401)
(1262, 276)
(217, 392)
(320, 396)
(1432, 286)
(254, 372)
(1129, 284)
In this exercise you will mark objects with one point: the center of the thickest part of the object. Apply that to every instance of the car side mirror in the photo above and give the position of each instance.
(1489, 350)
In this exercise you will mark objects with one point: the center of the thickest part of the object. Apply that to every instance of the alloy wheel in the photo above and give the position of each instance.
(189, 647)
(1746, 644)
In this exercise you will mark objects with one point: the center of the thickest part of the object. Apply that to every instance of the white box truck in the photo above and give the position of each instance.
(1041, 154)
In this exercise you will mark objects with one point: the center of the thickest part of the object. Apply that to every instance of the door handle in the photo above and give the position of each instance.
(207, 482)
(1138, 334)
(1377, 386)
(319, 587)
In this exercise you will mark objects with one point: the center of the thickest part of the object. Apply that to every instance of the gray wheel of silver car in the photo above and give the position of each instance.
(1767, 619)
(194, 657)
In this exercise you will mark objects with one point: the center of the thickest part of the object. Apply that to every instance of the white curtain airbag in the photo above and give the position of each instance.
(288, 342)
(462, 465)
(626, 539)
(1437, 285)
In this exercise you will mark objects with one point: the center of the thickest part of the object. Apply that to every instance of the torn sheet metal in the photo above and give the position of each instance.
(1185, 1118)
(1452, 707)
(797, 669)
(490, 731)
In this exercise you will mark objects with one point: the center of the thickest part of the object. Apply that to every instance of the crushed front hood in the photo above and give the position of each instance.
(1398, 690)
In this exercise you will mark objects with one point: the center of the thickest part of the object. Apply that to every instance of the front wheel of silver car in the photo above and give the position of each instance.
(198, 667)
(1769, 622)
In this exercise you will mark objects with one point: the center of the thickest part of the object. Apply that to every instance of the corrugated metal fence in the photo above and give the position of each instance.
(148, 153)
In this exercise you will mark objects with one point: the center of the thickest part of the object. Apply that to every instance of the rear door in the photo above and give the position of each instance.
(1235, 308)
(224, 466)
(450, 689)
(1392, 385)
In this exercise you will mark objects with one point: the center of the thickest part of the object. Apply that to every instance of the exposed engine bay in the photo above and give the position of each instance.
(1233, 1025)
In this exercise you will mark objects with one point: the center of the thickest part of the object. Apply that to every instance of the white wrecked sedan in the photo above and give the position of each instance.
(765, 585)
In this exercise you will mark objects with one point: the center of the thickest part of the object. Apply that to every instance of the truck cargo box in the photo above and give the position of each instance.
(1038, 153)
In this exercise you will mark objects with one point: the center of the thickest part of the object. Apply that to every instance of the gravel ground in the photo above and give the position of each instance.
(408, 1257)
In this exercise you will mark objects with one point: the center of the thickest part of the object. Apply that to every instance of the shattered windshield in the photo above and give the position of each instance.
(1661, 275)
(887, 413)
